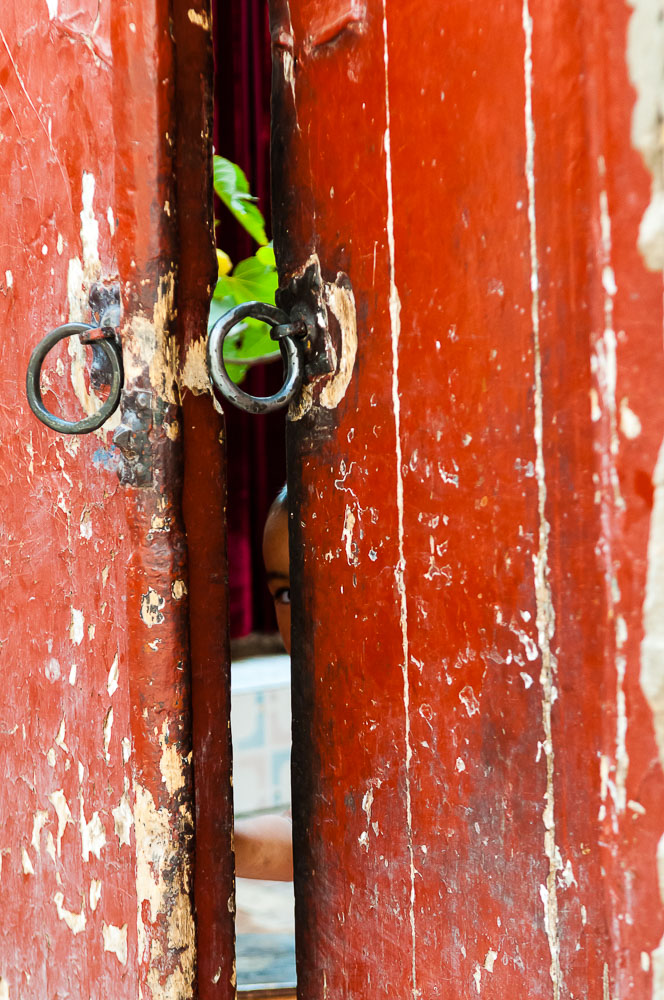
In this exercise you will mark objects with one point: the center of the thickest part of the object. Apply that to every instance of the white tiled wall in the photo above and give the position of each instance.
(261, 726)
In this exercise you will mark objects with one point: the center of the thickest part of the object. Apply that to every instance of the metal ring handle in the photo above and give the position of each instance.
(290, 351)
(33, 386)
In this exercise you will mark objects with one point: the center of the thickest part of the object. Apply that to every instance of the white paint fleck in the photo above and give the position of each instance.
(363, 840)
(26, 863)
(113, 676)
(490, 959)
(89, 228)
(106, 729)
(110, 218)
(4, 987)
(126, 749)
(85, 526)
(72, 674)
(115, 941)
(52, 9)
(39, 821)
(93, 835)
(52, 669)
(76, 630)
(469, 699)
(59, 803)
(59, 245)
(95, 893)
(477, 976)
(178, 589)
(9, 279)
(527, 679)
(60, 737)
(123, 817)
(347, 536)
(630, 425)
(645, 961)
(460, 765)
(74, 921)
(50, 757)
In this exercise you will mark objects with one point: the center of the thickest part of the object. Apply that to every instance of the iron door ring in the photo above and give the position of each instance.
(290, 351)
(33, 387)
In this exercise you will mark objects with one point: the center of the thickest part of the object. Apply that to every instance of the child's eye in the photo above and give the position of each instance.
(282, 596)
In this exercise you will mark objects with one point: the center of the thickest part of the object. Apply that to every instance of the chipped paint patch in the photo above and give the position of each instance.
(107, 729)
(115, 941)
(171, 764)
(148, 344)
(76, 630)
(341, 303)
(75, 921)
(89, 229)
(200, 18)
(157, 857)
(59, 803)
(26, 863)
(113, 677)
(645, 43)
(123, 817)
(93, 835)
(39, 821)
(652, 667)
(151, 605)
(95, 893)
(178, 589)
(195, 376)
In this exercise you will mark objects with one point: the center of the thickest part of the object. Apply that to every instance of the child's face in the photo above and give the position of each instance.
(277, 567)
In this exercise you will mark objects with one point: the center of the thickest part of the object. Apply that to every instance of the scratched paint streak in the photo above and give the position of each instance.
(605, 365)
(399, 573)
(545, 613)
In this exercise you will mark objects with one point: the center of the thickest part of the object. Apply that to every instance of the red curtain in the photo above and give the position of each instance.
(255, 444)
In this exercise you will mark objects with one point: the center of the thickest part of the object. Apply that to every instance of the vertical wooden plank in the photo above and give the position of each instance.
(475, 770)
(97, 804)
(204, 509)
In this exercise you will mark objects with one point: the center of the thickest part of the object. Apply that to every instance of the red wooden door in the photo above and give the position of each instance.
(105, 179)
(477, 513)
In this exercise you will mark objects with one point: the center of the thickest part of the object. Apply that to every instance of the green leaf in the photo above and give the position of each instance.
(232, 187)
(266, 255)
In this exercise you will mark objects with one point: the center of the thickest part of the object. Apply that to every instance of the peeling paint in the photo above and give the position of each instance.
(59, 803)
(156, 854)
(76, 631)
(652, 667)
(115, 941)
(200, 18)
(151, 605)
(123, 817)
(75, 921)
(195, 376)
(95, 893)
(93, 835)
(341, 303)
(113, 676)
(39, 821)
(171, 764)
(645, 43)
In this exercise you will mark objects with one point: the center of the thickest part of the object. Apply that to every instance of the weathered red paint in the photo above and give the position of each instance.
(476, 778)
(96, 887)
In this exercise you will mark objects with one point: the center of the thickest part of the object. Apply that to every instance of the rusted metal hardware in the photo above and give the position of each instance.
(302, 299)
(285, 330)
(108, 346)
(132, 438)
(299, 325)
